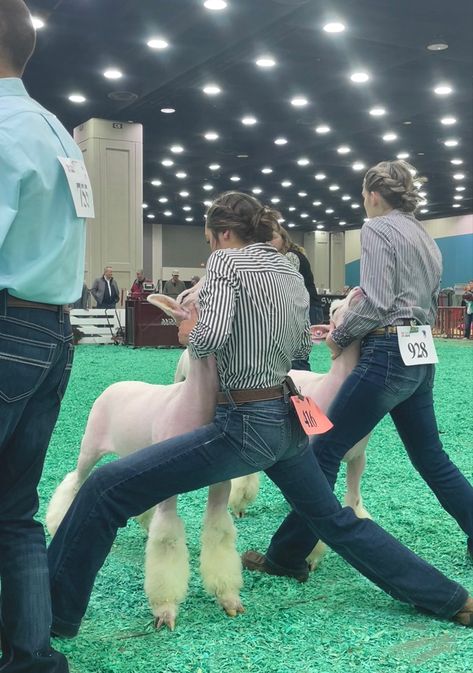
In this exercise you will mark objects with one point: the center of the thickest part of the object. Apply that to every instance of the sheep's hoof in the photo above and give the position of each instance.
(166, 618)
(232, 606)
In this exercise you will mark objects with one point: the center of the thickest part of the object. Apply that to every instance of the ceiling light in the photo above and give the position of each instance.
(211, 135)
(316, 203)
(265, 62)
(334, 188)
(168, 110)
(77, 98)
(451, 142)
(280, 141)
(212, 89)
(302, 194)
(291, 224)
(275, 199)
(402, 155)
(329, 211)
(186, 208)
(458, 197)
(189, 219)
(359, 77)
(150, 216)
(267, 170)
(448, 121)
(456, 205)
(334, 27)
(460, 188)
(440, 45)
(314, 221)
(144, 205)
(214, 167)
(235, 178)
(304, 215)
(249, 121)
(37, 22)
(215, 5)
(257, 190)
(207, 203)
(299, 101)
(343, 149)
(320, 176)
(163, 199)
(456, 162)
(358, 166)
(157, 43)
(377, 111)
(207, 187)
(181, 175)
(286, 183)
(292, 208)
(388, 137)
(443, 89)
(323, 128)
(167, 162)
(342, 222)
(458, 176)
(355, 205)
(112, 73)
(184, 194)
(177, 149)
(424, 210)
(156, 183)
(303, 161)
(168, 213)
(346, 197)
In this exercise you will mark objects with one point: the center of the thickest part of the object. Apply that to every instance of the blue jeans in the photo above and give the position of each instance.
(35, 361)
(242, 439)
(468, 321)
(380, 383)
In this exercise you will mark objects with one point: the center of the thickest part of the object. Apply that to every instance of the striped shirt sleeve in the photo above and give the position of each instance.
(217, 300)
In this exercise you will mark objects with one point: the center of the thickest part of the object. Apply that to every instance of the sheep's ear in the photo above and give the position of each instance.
(169, 306)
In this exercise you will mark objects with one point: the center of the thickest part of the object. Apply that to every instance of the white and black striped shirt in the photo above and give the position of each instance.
(400, 270)
(253, 317)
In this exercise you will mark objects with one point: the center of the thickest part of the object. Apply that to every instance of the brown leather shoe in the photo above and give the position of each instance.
(465, 616)
(253, 560)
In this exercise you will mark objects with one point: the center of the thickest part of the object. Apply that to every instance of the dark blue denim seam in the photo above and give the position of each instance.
(32, 325)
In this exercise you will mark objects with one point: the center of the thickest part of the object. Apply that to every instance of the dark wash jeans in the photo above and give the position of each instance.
(381, 384)
(242, 439)
(35, 361)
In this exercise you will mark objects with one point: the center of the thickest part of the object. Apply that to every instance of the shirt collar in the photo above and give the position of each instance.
(12, 86)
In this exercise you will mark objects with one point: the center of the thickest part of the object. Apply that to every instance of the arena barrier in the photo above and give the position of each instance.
(98, 325)
(450, 322)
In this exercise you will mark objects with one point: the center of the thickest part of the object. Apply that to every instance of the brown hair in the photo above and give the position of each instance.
(244, 215)
(397, 183)
(17, 35)
(288, 242)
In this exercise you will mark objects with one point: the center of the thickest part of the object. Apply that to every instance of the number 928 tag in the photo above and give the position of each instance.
(416, 345)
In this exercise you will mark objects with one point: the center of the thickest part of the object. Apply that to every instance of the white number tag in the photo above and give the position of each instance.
(79, 184)
(417, 345)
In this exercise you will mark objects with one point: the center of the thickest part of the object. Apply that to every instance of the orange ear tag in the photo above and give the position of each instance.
(312, 419)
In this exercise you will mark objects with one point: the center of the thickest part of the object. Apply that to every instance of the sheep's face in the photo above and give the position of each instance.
(339, 307)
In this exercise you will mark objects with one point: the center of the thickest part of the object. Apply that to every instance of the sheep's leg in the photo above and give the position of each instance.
(243, 493)
(166, 564)
(220, 564)
(356, 461)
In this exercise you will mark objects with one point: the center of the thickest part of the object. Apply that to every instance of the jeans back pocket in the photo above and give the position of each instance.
(263, 440)
(23, 365)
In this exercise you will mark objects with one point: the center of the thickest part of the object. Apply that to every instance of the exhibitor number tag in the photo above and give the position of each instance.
(312, 419)
(79, 184)
(416, 345)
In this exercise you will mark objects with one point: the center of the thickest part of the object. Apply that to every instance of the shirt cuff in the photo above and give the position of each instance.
(342, 337)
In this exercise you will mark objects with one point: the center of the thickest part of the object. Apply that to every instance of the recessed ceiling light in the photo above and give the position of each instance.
(249, 121)
(189, 219)
(456, 162)
(157, 43)
(329, 211)
(451, 142)
(177, 149)
(358, 166)
(439, 45)
(359, 77)
(355, 205)
(168, 213)
(389, 137)
(314, 221)
(299, 101)
(144, 205)
(443, 89)
(168, 110)
(320, 226)
(320, 176)
(156, 183)
(342, 222)
(304, 215)
(257, 190)
(167, 162)
(316, 203)
(458, 197)
(424, 210)
(346, 197)
(275, 199)
(292, 208)
(343, 149)
(184, 194)
(402, 155)
(302, 194)
(211, 135)
(77, 98)
(456, 205)
(265, 62)
(323, 128)
(150, 216)
(334, 188)
(207, 203)
(448, 121)
(280, 141)
(113, 73)
(212, 89)
(303, 161)
(181, 175)
(163, 199)
(207, 187)
(37, 22)
(458, 176)
(214, 167)
(235, 178)
(215, 5)
(460, 188)
(267, 170)
(291, 224)
(334, 27)
(377, 111)
(186, 208)
(286, 183)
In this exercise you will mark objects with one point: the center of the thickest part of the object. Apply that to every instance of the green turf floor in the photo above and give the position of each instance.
(335, 623)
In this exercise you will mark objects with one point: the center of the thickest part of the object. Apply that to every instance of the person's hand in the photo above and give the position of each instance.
(186, 327)
(334, 347)
(319, 332)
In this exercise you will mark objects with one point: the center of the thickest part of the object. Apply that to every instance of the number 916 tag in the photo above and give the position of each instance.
(312, 419)
(416, 345)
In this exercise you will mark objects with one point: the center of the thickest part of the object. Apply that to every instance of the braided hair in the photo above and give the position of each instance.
(397, 183)
(244, 215)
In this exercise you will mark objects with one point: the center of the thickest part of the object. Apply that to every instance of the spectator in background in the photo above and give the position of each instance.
(194, 280)
(137, 287)
(174, 287)
(468, 299)
(105, 289)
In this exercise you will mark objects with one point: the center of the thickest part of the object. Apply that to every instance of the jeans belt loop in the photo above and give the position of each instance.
(229, 397)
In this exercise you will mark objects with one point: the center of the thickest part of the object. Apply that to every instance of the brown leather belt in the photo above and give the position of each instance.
(250, 395)
(390, 329)
(14, 302)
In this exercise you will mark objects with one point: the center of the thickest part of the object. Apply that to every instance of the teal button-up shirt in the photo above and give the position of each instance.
(42, 241)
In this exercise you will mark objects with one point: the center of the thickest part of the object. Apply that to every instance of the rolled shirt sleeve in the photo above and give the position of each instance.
(377, 279)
